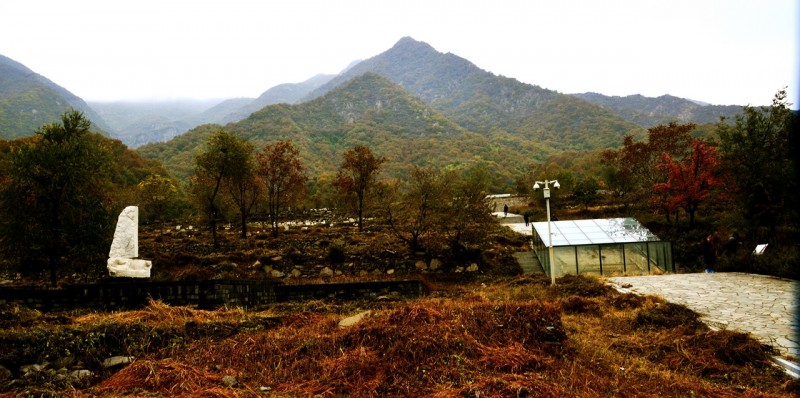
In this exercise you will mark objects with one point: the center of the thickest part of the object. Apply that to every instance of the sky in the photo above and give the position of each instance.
(723, 52)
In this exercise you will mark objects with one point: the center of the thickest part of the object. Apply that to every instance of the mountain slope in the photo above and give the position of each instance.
(139, 122)
(483, 102)
(368, 110)
(288, 93)
(649, 112)
(29, 100)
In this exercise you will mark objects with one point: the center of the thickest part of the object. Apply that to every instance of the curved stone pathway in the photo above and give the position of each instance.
(764, 306)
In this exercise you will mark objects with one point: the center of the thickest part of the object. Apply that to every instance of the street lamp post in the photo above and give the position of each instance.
(546, 192)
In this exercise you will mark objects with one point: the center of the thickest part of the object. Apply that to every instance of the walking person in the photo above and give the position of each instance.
(710, 253)
(505, 210)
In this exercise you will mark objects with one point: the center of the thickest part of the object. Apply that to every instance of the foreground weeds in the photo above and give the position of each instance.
(513, 337)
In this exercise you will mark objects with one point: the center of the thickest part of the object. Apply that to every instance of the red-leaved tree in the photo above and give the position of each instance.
(690, 181)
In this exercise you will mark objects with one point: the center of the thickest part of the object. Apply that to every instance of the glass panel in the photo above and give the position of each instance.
(588, 259)
(564, 260)
(636, 258)
(613, 263)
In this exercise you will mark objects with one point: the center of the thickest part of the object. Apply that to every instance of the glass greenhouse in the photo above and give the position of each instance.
(614, 246)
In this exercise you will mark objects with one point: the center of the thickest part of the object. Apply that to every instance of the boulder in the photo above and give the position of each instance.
(352, 320)
(81, 374)
(229, 381)
(276, 274)
(116, 361)
(5, 374)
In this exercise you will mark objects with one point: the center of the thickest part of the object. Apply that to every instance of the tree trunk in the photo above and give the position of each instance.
(244, 224)
(360, 211)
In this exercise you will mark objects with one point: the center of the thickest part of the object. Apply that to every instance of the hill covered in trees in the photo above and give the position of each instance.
(28, 100)
(649, 112)
(486, 103)
(368, 110)
(417, 106)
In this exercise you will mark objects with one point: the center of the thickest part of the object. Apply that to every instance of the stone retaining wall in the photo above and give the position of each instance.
(131, 294)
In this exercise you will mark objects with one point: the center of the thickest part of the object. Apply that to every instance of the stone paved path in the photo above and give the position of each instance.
(764, 306)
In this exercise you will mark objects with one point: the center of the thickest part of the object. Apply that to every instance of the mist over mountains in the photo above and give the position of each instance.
(475, 100)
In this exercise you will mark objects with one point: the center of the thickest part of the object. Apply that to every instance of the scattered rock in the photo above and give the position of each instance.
(421, 265)
(296, 273)
(229, 381)
(350, 321)
(391, 296)
(5, 374)
(81, 374)
(435, 264)
(472, 268)
(116, 361)
(326, 272)
(390, 271)
(26, 370)
(276, 274)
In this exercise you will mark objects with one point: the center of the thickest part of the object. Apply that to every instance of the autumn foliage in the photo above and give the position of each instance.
(690, 181)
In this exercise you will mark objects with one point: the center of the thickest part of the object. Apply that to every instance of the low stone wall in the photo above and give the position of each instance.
(348, 291)
(131, 294)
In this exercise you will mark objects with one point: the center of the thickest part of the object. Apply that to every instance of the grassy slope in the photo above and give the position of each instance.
(509, 336)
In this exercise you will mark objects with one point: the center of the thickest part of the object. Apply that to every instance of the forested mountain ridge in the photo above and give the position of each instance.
(28, 100)
(483, 102)
(649, 112)
(287, 93)
(139, 123)
(368, 110)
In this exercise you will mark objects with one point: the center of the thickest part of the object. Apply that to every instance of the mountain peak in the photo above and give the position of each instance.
(408, 45)
(409, 41)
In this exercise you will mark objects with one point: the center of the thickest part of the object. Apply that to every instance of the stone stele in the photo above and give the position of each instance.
(122, 261)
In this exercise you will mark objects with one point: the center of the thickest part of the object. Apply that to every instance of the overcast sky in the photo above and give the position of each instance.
(716, 51)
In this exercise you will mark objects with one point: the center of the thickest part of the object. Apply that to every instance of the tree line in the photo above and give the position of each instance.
(60, 190)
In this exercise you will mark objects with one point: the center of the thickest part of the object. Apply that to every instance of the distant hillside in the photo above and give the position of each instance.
(417, 106)
(649, 112)
(29, 100)
(140, 122)
(368, 110)
(483, 102)
(288, 93)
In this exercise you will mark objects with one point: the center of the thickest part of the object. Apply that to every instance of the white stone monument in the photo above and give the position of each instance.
(122, 261)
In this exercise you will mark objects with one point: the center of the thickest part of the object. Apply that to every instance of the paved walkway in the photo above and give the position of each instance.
(764, 306)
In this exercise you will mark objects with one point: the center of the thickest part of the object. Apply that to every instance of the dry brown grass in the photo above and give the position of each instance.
(510, 338)
(157, 312)
(513, 337)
